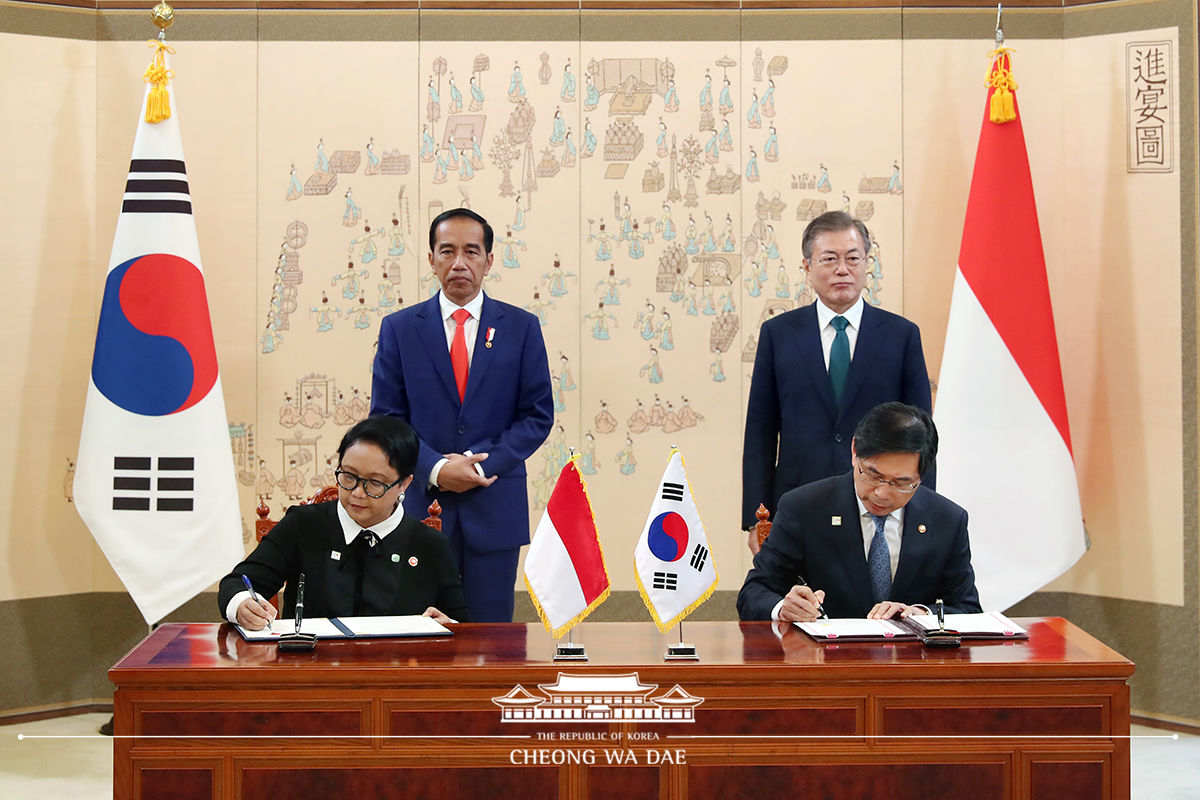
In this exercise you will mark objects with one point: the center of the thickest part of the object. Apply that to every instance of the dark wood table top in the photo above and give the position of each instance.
(216, 654)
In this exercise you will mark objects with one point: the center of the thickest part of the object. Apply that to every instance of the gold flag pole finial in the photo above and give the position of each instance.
(1002, 107)
(158, 104)
(163, 16)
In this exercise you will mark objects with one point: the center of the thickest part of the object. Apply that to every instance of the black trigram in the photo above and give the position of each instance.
(699, 557)
(170, 483)
(672, 491)
(666, 580)
(157, 186)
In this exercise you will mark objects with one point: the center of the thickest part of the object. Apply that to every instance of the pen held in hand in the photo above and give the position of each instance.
(801, 582)
(254, 597)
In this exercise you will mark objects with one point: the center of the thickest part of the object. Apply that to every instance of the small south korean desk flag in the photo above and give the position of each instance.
(154, 481)
(674, 567)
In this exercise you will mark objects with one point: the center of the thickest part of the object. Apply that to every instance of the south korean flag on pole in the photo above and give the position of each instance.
(154, 481)
(674, 567)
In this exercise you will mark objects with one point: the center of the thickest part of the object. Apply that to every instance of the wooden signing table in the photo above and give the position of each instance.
(200, 713)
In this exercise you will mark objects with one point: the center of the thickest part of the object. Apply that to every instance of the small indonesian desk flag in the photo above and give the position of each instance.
(674, 567)
(1005, 451)
(154, 480)
(564, 567)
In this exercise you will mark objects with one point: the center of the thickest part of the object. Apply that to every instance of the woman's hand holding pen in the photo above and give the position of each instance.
(255, 614)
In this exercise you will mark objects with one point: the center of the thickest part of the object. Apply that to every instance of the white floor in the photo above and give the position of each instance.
(77, 762)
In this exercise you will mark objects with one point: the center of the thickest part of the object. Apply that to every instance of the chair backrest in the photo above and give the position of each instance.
(763, 526)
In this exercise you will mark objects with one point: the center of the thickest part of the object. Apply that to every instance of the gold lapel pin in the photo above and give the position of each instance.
(920, 529)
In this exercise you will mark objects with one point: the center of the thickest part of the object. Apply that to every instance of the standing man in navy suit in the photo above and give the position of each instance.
(871, 543)
(469, 373)
(820, 368)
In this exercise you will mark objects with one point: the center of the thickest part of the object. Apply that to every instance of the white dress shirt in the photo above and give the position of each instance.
(893, 527)
(470, 329)
(825, 316)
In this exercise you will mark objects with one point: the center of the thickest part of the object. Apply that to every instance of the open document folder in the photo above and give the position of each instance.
(991, 625)
(351, 628)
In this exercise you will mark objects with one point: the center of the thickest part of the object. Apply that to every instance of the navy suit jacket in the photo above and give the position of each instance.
(507, 412)
(791, 411)
(818, 535)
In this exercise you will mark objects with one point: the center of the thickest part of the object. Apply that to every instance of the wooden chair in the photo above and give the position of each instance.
(263, 525)
(763, 526)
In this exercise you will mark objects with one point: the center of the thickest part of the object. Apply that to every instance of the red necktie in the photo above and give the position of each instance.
(458, 352)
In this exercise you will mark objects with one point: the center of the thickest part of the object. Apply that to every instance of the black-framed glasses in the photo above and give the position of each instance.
(875, 479)
(377, 489)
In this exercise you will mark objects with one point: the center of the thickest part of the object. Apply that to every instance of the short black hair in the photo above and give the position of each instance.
(488, 233)
(897, 428)
(392, 435)
(833, 222)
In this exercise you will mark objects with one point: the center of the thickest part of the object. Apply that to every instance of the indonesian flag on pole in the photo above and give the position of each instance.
(564, 567)
(674, 568)
(1005, 452)
(154, 480)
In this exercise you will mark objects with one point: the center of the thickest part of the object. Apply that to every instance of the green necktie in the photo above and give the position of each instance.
(839, 358)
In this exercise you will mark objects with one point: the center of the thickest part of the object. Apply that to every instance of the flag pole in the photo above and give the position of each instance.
(570, 650)
(681, 650)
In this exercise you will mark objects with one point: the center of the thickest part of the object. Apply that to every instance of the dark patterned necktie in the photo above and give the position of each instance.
(879, 563)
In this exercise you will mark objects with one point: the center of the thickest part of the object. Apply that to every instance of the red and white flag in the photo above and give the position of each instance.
(154, 480)
(564, 567)
(1005, 445)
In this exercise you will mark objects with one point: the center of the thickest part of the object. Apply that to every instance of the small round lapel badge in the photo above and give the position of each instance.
(412, 561)
(920, 529)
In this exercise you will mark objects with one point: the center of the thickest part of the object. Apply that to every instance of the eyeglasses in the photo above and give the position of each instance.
(377, 489)
(852, 261)
(875, 479)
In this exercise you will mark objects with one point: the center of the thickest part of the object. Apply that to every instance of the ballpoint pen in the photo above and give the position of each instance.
(254, 597)
(801, 582)
(300, 603)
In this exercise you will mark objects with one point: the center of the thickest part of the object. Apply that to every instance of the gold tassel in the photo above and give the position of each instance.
(1002, 107)
(158, 104)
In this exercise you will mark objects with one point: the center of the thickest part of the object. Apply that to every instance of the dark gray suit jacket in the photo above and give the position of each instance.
(817, 534)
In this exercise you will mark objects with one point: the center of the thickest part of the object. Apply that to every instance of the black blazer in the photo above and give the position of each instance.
(411, 570)
(791, 410)
(818, 535)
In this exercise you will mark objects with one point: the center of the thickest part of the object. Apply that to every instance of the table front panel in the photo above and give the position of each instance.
(995, 716)
(400, 783)
(986, 779)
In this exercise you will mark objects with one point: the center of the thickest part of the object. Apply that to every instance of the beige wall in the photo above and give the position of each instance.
(862, 88)
(49, 229)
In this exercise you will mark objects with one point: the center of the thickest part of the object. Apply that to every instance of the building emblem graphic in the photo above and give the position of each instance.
(598, 698)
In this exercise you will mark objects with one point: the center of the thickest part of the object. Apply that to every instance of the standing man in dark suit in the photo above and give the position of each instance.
(872, 543)
(469, 373)
(820, 368)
